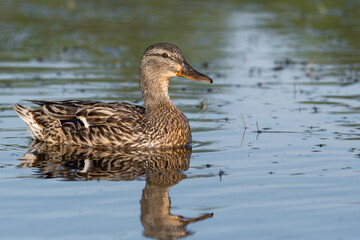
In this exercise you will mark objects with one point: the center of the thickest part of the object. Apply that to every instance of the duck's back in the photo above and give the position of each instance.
(86, 123)
(99, 124)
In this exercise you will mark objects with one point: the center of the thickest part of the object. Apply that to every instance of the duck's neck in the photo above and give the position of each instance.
(155, 91)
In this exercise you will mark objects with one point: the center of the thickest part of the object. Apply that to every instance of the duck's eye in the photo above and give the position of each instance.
(164, 55)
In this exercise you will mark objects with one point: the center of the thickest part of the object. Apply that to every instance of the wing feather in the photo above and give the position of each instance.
(92, 113)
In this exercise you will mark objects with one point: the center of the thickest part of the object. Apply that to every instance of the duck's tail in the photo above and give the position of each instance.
(28, 114)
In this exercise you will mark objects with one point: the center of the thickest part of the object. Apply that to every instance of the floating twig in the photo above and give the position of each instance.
(242, 117)
(257, 126)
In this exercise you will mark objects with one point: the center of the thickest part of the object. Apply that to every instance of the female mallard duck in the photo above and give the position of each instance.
(92, 123)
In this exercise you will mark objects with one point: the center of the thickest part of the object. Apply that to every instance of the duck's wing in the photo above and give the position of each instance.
(86, 123)
(108, 124)
(62, 110)
(111, 114)
(91, 113)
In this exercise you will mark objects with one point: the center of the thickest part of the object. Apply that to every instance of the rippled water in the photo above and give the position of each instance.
(276, 136)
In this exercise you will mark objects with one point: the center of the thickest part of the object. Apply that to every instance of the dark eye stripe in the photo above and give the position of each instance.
(161, 55)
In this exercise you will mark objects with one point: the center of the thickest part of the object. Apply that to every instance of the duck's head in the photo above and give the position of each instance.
(160, 63)
(167, 61)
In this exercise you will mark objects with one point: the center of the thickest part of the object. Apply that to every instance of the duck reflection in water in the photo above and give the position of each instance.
(161, 168)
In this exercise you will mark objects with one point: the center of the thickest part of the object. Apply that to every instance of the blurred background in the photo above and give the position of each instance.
(275, 138)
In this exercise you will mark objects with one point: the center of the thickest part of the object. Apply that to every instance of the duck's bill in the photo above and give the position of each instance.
(188, 72)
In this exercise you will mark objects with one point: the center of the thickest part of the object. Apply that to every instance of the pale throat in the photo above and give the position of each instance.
(156, 92)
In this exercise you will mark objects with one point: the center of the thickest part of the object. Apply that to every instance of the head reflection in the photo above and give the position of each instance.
(162, 169)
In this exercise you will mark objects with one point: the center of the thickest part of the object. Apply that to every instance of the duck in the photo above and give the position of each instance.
(157, 124)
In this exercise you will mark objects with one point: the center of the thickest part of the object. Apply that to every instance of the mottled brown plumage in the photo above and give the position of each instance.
(89, 123)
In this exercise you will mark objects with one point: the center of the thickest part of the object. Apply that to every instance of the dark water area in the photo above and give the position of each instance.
(275, 152)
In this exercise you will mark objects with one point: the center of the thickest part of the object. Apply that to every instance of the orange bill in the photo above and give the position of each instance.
(187, 71)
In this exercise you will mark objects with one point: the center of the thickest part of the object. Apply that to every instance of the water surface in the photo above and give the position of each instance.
(275, 138)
